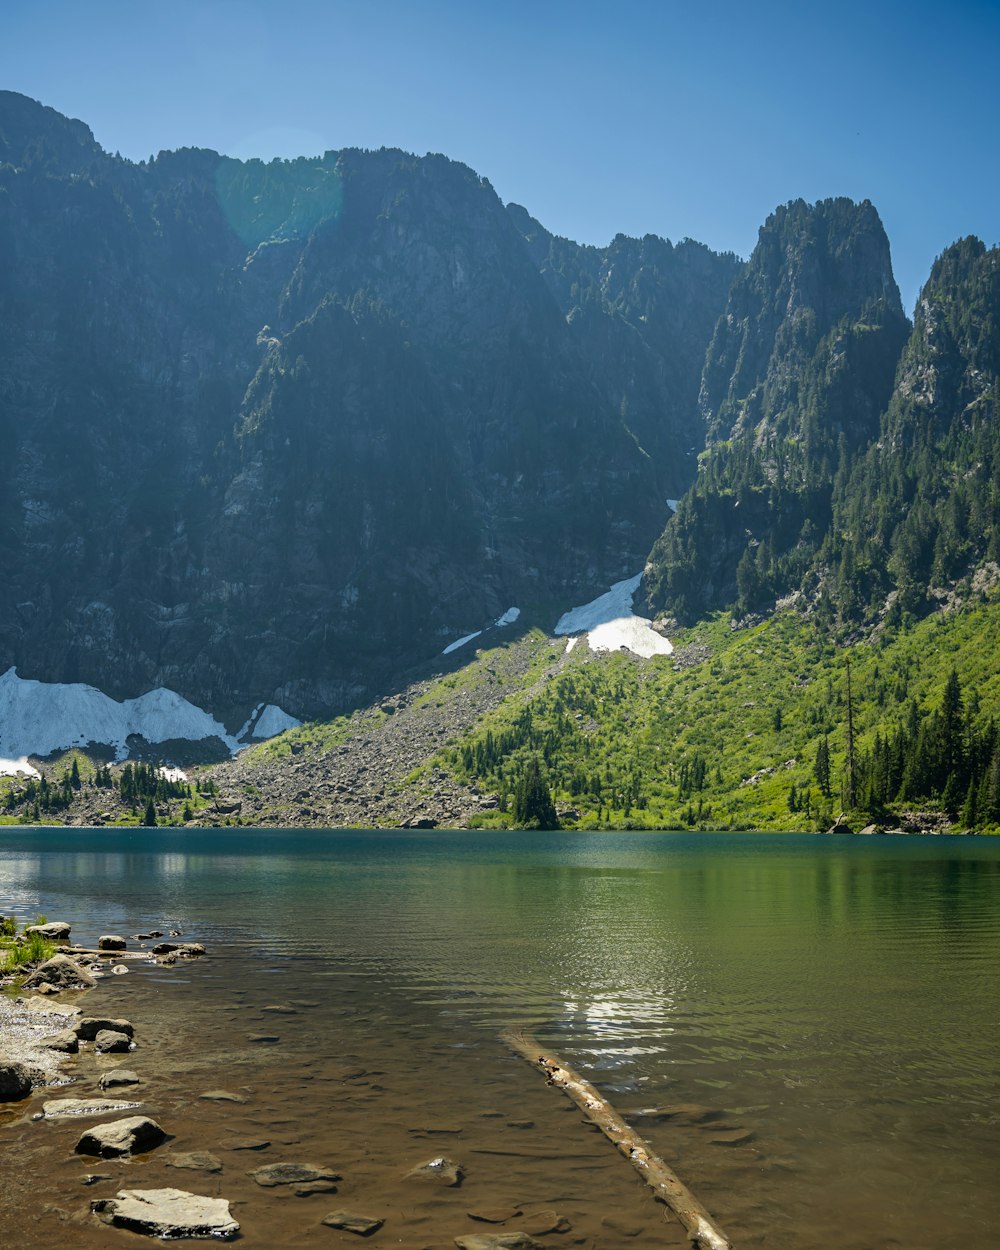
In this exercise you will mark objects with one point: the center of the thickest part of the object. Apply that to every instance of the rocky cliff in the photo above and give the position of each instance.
(273, 432)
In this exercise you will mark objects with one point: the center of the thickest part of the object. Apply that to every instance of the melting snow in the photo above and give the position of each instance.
(37, 718)
(509, 617)
(273, 721)
(173, 774)
(672, 504)
(18, 768)
(610, 624)
(460, 642)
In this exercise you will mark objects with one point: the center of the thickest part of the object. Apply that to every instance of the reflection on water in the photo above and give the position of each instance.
(830, 1004)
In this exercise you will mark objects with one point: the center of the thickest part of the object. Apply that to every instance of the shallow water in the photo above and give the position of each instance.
(828, 1006)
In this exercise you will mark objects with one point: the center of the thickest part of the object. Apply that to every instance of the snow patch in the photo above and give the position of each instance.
(610, 624)
(19, 768)
(172, 774)
(672, 504)
(509, 617)
(38, 718)
(273, 721)
(460, 642)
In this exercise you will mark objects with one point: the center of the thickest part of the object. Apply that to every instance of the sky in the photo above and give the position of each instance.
(637, 116)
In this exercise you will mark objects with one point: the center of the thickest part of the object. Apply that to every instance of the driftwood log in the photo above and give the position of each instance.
(665, 1184)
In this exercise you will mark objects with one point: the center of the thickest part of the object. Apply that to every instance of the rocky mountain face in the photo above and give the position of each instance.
(921, 509)
(798, 372)
(273, 432)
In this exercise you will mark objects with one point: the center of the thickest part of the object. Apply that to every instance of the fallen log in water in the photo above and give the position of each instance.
(667, 1186)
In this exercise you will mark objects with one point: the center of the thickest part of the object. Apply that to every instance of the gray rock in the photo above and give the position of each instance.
(88, 1028)
(121, 1137)
(292, 1174)
(363, 1225)
(110, 1042)
(442, 1171)
(110, 942)
(197, 1160)
(118, 1076)
(66, 1042)
(54, 931)
(57, 1108)
(167, 1213)
(60, 971)
(15, 1081)
(512, 1240)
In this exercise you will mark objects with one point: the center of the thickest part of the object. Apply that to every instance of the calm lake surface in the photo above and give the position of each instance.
(827, 1010)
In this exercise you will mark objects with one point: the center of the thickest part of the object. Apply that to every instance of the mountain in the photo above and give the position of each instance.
(797, 375)
(921, 509)
(275, 432)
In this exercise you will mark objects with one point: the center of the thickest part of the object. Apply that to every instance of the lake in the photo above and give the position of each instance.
(804, 1027)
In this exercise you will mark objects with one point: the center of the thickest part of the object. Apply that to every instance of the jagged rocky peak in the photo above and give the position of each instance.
(815, 268)
(798, 372)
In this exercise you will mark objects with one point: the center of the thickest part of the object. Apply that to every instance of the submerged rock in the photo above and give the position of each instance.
(118, 1076)
(60, 971)
(292, 1174)
(57, 1108)
(121, 1137)
(197, 1160)
(167, 1213)
(442, 1171)
(15, 1081)
(363, 1225)
(221, 1095)
(495, 1215)
(498, 1241)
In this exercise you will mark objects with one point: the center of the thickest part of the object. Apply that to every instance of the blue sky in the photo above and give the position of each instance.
(636, 116)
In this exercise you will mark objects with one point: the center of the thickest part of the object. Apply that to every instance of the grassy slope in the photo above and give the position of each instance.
(632, 724)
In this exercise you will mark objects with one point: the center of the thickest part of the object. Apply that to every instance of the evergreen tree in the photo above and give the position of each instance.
(533, 806)
(149, 818)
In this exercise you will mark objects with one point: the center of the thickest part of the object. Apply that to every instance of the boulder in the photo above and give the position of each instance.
(110, 942)
(292, 1174)
(15, 1081)
(110, 1042)
(363, 1225)
(121, 1137)
(88, 1028)
(62, 972)
(57, 1108)
(441, 1171)
(53, 931)
(66, 1042)
(118, 1076)
(167, 1213)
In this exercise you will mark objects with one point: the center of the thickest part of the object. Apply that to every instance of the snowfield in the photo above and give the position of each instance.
(610, 624)
(37, 718)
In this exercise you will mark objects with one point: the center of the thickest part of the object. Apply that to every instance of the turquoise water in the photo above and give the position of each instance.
(832, 1003)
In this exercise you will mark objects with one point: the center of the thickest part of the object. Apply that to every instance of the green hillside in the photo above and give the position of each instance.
(725, 733)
